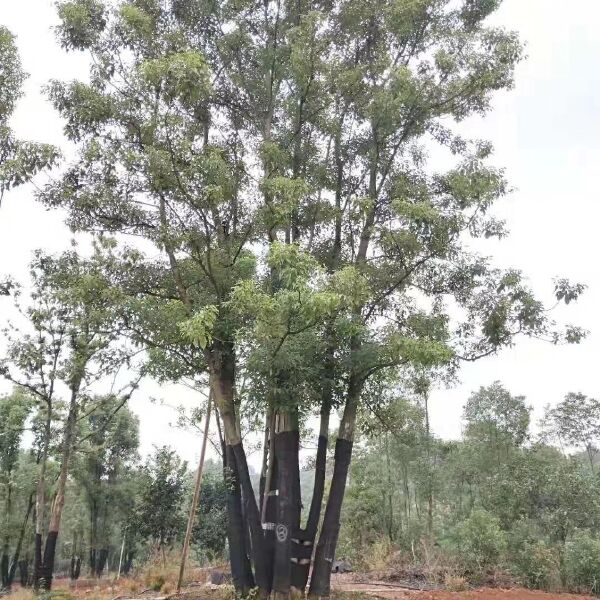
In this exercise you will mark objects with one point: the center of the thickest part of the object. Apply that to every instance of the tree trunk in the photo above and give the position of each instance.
(241, 570)
(261, 568)
(287, 442)
(24, 572)
(4, 568)
(390, 489)
(46, 563)
(325, 552)
(306, 540)
(270, 507)
(12, 570)
(102, 557)
(93, 562)
(40, 498)
(129, 555)
(221, 360)
(93, 553)
(429, 469)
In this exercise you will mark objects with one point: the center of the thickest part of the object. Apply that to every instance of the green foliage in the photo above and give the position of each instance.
(479, 542)
(184, 76)
(14, 411)
(533, 559)
(496, 419)
(582, 563)
(159, 511)
(199, 328)
(576, 422)
(19, 160)
(11, 75)
(210, 531)
(82, 22)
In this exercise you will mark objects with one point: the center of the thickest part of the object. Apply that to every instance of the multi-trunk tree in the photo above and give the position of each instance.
(275, 154)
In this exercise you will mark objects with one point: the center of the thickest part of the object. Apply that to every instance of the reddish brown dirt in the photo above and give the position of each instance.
(387, 591)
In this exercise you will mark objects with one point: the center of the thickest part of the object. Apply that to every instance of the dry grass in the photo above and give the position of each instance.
(22, 594)
(455, 583)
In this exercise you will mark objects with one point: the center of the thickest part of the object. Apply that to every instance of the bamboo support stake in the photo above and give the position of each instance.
(197, 488)
(121, 556)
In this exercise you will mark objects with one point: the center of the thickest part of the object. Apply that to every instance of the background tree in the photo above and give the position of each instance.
(15, 410)
(70, 347)
(159, 513)
(108, 446)
(576, 423)
(209, 533)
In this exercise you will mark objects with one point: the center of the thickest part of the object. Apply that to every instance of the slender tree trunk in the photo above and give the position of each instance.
(287, 442)
(12, 570)
(241, 570)
(40, 498)
(4, 567)
(306, 540)
(429, 469)
(325, 553)
(266, 462)
(46, 565)
(390, 489)
(270, 506)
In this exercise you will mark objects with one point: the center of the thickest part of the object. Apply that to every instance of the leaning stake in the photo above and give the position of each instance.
(190, 524)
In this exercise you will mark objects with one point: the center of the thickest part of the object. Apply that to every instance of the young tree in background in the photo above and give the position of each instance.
(496, 421)
(160, 511)
(576, 422)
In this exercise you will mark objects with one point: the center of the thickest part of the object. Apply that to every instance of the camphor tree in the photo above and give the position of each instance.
(19, 160)
(275, 154)
(65, 344)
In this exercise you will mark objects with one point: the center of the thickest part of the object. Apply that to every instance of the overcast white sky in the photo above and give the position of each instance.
(546, 134)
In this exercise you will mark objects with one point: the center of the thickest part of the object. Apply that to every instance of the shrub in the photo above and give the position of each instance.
(582, 563)
(533, 560)
(478, 542)
(538, 565)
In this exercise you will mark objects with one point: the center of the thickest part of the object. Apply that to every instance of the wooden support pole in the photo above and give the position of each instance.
(121, 555)
(197, 488)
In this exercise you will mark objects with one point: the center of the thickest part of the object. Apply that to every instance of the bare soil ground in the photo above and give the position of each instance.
(392, 591)
(344, 586)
